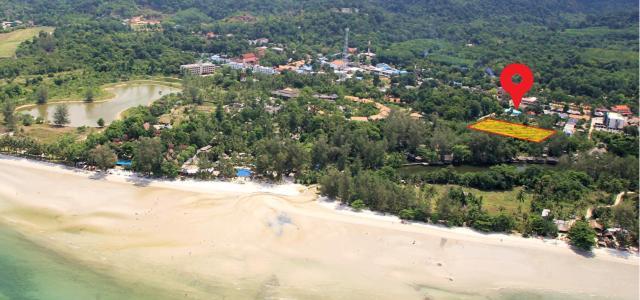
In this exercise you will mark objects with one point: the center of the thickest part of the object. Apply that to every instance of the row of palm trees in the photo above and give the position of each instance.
(29, 147)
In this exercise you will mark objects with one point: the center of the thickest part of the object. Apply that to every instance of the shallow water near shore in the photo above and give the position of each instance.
(28, 271)
(33, 272)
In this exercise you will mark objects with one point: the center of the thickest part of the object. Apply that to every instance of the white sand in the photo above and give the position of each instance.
(215, 240)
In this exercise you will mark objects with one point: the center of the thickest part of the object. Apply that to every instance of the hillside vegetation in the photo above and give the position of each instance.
(9, 41)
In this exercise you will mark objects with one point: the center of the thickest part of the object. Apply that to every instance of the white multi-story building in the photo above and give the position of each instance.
(199, 69)
(615, 120)
(265, 70)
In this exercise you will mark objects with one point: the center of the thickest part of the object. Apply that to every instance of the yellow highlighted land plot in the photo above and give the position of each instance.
(514, 130)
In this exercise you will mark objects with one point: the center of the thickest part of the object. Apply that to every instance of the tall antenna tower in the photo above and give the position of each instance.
(345, 51)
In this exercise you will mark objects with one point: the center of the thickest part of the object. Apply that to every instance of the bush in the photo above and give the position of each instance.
(582, 236)
(358, 205)
(27, 120)
(543, 227)
(407, 214)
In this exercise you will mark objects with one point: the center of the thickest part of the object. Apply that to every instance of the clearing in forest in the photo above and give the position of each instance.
(9, 41)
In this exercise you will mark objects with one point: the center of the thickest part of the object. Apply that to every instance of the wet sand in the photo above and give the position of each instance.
(233, 241)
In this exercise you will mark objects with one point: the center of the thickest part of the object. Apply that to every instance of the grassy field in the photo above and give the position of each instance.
(492, 201)
(48, 134)
(9, 41)
(518, 131)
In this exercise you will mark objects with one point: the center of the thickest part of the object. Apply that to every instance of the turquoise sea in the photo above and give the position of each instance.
(30, 272)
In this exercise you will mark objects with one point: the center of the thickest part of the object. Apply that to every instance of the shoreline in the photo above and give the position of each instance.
(234, 238)
(121, 176)
(549, 243)
(290, 189)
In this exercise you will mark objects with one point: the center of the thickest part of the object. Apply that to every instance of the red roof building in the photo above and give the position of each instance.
(249, 58)
(622, 109)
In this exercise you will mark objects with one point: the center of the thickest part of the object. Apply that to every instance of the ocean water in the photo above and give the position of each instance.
(30, 272)
(432, 293)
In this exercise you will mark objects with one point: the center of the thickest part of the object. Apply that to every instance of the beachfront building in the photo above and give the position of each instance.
(564, 225)
(198, 69)
(190, 167)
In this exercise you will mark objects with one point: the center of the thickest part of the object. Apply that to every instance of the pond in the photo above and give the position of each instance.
(87, 114)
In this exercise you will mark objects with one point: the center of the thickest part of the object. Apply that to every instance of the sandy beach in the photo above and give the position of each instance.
(218, 240)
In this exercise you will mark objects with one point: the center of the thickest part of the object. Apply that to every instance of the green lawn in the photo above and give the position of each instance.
(492, 201)
(9, 41)
(49, 134)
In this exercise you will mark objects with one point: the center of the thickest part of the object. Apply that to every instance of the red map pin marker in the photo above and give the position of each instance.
(516, 90)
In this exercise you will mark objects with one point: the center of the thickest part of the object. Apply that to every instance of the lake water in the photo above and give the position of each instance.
(87, 114)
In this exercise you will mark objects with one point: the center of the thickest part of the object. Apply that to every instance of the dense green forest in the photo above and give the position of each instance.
(580, 52)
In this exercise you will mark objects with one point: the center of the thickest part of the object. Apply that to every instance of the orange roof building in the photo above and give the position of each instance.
(622, 109)
(337, 64)
(249, 58)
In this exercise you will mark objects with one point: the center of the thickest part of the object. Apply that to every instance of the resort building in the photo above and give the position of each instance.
(528, 101)
(259, 41)
(331, 97)
(198, 69)
(264, 70)
(140, 20)
(219, 59)
(286, 93)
